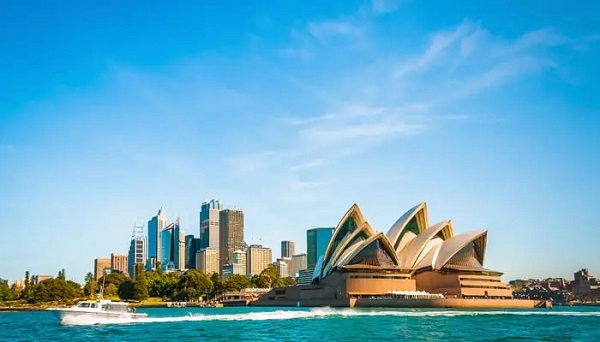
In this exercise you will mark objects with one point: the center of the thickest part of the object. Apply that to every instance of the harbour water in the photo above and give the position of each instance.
(305, 324)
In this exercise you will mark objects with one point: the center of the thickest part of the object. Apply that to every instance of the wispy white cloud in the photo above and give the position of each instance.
(438, 44)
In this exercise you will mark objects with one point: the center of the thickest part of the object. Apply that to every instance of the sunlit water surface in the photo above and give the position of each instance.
(304, 324)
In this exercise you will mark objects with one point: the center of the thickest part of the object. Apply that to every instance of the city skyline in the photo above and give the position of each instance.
(294, 111)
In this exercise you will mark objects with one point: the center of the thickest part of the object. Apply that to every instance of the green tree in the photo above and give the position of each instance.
(217, 285)
(236, 282)
(52, 290)
(112, 278)
(5, 293)
(75, 289)
(90, 284)
(155, 284)
(268, 278)
(61, 274)
(192, 285)
(139, 289)
(15, 291)
(170, 281)
(125, 290)
(27, 293)
(111, 289)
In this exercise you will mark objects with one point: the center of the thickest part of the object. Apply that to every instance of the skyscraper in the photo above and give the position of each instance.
(317, 240)
(231, 232)
(173, 247)
(155, 227)
(239, 262)
(287, 249)
(118, 262)
(209, 223)
(257, 259)
(282, 268)
(137, 250)
(181, 253)
(298, 263)
(192, 245)
(207, 260)
(99, 266)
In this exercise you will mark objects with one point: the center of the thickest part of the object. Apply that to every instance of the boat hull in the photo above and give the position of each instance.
(79, 317)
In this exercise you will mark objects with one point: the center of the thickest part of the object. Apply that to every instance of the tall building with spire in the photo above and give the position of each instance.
(209, 223)
(231, 232)
(137, 249)
(155, 227)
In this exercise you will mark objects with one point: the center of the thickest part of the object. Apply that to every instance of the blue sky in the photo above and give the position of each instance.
(293, 111)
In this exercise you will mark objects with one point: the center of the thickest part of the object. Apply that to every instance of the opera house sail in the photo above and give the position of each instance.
(414, 264)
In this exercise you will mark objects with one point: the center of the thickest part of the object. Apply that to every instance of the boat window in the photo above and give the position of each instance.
(84, 305)
(93, 305)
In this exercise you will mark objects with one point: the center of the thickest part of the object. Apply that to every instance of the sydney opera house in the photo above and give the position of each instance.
(413, 265)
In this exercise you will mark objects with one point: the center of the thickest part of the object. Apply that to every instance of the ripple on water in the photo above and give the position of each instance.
(266, 324)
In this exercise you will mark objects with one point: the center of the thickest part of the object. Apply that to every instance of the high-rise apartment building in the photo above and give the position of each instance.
(99, 266)
(231, 232)
(209, 223)
(298, 263)
(173, 247)
(192, 245)
(282, 268)
(317, 240)
(207, 260)
(181, 254)
(257, 259)
(155, 227)
(118, 262)
(137, 250)
(287, 249)
(239, 262)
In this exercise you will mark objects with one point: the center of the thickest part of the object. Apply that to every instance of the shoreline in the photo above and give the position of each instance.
(189, 305)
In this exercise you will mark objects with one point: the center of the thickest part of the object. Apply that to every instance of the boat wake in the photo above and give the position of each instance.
(318, 313)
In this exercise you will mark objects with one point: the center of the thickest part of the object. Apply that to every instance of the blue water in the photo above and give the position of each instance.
(303, 324)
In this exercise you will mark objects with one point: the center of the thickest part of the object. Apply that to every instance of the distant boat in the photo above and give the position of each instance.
(176, 304)
(97, 311)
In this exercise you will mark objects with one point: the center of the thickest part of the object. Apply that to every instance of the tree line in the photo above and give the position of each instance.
(189, 286)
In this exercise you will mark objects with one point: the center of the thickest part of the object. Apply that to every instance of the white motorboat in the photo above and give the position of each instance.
(97, 312)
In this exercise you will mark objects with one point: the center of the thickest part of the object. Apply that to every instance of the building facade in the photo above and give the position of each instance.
(231, 232)
(288, 249)
(258, 258)
(207, 260)
(413, 264)
(173, 247)
(282, 268)
(155, 227)
(192, 245)
(585, 285)
(316, 244)
(209, 223)
(137, 250)
(298, 263)
(100, 265)
(118, 263)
